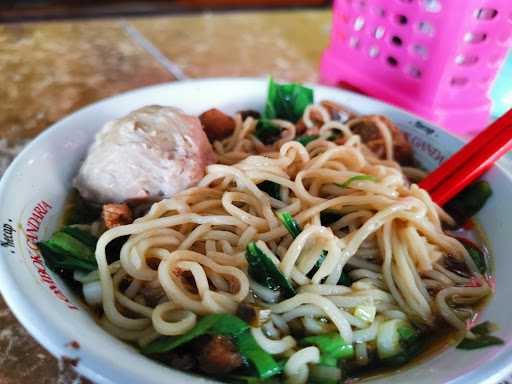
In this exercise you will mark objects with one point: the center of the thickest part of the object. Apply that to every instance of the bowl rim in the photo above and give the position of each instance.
(50, 335)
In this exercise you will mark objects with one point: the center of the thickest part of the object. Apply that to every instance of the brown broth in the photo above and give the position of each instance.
(442, 339)
(439, 342)
(445, 336)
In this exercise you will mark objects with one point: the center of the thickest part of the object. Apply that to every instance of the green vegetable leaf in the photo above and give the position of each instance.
(226, 325)
(345, 279)
(290, 224)
(306, 139)
(229, 325)
(407, 334)
(166, 344)
(287, 101)
(476, 254)
(270, 188)
(328, 360)
(408, 353)
(331, 344)
(84, 237)
(347, 183)
(261, 360)
(469, 201)
(267, 132)
(264, 271)
(69, 249)
(484, 328)
(483, 337)
(69, 244)
(57, 260)
(397, 341)
(482, 341)
(317, 265)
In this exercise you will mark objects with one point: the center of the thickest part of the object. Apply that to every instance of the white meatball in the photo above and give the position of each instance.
(152, 153)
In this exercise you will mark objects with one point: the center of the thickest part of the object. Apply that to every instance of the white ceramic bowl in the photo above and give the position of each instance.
(33, 191)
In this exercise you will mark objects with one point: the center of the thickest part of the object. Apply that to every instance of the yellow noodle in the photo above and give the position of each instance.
(192, 246)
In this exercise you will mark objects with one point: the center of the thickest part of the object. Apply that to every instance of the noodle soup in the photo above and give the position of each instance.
(305, 252)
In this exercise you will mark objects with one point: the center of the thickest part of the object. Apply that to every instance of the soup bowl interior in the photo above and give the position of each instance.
(33, 194)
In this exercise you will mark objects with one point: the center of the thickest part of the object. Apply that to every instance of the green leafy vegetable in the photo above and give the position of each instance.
(317, 265)
(332, 345)
(483, 337)
(328, 360)
(284, 101)
(484, 328)
(306, 139)
(261, 360)
(407, 334)
(469, 201)
(395, 336)
(290, 224)
(267, 132)
(332, 348)
(294, 229)
(405, 355)
(264, 271)
(271, 188)
(476, 254)
(69, 249)
(482, 341)
(287, 101)
(83, 236)
(226, 325)
(347, 183)
(345, 279)
(71, 245)
(203, 326)
(398, 342)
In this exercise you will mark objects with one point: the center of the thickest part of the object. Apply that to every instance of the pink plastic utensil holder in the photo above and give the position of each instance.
(437, 58)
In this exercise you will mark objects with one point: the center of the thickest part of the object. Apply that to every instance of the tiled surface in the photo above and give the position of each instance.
(48, 70)
(23, 360)
(285, 44)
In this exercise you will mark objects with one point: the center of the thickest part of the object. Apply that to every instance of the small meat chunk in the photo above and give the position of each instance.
(218, 355)
(217, 124)
(301, 128)
(115, 215)
(367, 128)
(337, 111)
(152, 153)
